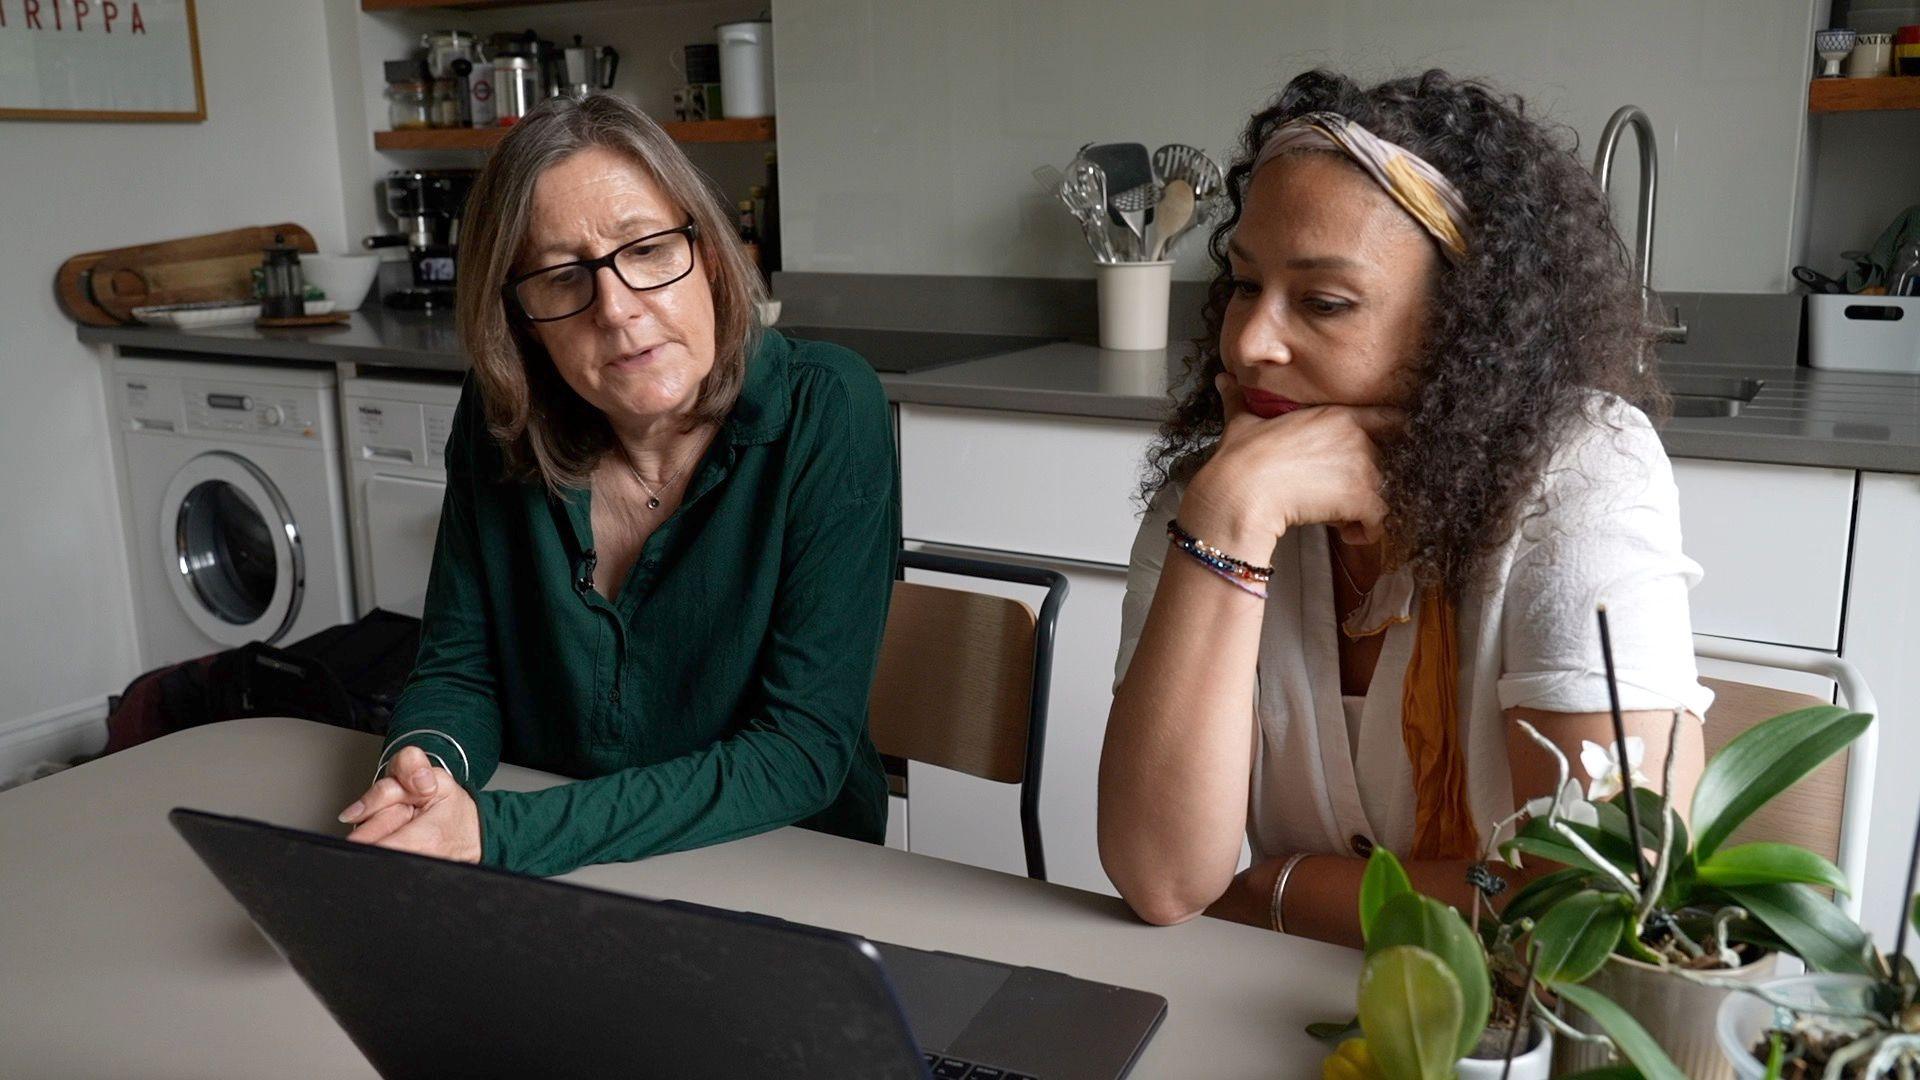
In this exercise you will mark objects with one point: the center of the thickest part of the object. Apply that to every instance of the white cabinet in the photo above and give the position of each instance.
(1883, 640)
(1773, 540)
(1021, 482)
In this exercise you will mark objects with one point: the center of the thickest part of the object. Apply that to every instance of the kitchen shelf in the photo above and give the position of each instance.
(690, 131)
(1860, 95)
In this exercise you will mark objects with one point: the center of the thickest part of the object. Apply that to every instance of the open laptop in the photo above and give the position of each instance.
(442, 969)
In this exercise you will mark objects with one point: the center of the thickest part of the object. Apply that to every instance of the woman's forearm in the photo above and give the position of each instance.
(1175, 768)
(1322, 899)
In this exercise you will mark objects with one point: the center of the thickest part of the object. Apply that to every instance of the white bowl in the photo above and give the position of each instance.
(344, 278)
(1743, 1017)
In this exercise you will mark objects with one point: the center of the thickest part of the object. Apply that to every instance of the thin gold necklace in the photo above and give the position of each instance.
(653, 497)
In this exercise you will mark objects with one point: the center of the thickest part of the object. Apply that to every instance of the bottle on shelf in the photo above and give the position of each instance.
(750, 235)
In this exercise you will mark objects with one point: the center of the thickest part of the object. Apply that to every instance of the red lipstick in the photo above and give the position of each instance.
(1267, 406)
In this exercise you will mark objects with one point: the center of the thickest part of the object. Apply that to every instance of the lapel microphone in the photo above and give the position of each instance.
(583, 581)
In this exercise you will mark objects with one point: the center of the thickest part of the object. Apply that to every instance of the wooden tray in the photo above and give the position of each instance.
(101, 288)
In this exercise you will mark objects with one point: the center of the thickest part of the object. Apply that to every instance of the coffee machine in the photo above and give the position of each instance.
(425, 205)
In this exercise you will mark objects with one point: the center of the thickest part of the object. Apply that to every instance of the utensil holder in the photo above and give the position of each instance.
(1133, 303)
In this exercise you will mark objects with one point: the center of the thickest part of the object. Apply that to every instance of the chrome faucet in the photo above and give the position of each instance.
(1632, 115)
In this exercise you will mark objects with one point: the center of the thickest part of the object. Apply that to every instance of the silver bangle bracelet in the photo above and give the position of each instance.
(1277, 917)
(466, 767)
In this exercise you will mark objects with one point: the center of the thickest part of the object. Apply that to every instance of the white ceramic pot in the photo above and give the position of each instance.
(1743, 1017)
(1535, 1064)
(1680, 1015)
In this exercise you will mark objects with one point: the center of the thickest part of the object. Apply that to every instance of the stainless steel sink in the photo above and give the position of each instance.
(1711, 395)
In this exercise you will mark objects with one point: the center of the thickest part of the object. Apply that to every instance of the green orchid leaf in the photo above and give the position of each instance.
(1763, 761)
(1426, 923)
(1613, 819)
(1811, 925)
(1410, 1008)
(1558, 850)
(1574, 938)
(1635, 1044)
(1769, 864)
(1543, 892)
(1384, 879)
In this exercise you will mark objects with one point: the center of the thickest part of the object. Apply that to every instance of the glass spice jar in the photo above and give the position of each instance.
(408, 98)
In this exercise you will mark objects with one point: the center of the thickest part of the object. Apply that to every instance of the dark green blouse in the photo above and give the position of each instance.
(723, 691)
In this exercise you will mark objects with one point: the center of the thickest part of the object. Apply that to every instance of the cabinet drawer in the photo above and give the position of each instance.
(1042, 485)
(1773, 540)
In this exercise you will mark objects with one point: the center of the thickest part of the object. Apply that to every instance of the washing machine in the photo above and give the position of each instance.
(396, 480)
(234, 503)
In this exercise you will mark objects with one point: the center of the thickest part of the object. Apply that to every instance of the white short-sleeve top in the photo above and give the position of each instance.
(1604, 528)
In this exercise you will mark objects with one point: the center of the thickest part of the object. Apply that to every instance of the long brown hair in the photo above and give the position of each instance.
(543, 427)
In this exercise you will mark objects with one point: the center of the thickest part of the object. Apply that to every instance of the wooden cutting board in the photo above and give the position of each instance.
(101, 288)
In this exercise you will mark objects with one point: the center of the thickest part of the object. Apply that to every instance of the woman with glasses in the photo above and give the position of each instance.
(668, 539)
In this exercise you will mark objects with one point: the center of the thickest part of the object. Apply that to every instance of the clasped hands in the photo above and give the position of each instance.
(417, 807)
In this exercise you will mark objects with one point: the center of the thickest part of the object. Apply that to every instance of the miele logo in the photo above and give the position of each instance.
(136, 386)
(371, 410)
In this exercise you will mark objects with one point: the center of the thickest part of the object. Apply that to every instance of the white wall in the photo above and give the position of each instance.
(266, 153)
(909, 128)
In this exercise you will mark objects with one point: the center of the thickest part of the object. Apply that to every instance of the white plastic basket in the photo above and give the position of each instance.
(1864, 333)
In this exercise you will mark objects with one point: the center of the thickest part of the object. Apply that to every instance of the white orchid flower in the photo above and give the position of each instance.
(1568, 806)
(1603, 767)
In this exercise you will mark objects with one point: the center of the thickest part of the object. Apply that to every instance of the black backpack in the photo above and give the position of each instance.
(348, 675)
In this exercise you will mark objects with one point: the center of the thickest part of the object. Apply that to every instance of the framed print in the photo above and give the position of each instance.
(100, 60)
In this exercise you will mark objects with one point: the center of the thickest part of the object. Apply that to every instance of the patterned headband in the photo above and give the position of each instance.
(1418, 187)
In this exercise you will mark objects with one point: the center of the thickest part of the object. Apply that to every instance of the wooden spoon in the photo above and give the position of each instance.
(1171, 216)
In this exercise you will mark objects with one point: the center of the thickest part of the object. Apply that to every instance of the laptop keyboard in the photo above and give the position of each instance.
(952, 1068)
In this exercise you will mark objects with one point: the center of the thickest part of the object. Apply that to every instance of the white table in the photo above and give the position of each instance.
(120, 955)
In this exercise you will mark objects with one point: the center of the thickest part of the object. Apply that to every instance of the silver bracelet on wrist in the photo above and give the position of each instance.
(1277, 916)
(466, 768)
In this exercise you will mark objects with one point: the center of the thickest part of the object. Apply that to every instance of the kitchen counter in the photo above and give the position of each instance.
(1800, 417)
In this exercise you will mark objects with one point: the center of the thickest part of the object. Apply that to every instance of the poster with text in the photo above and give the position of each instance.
(100, 60)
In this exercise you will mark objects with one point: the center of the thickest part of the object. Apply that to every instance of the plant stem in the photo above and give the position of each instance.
(1521, 1022)
(1906, 903)
(1620, 745)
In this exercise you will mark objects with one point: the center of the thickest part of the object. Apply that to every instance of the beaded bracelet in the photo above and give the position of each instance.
(1240, 573)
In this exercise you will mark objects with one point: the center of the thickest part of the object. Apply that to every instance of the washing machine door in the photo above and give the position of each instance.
(233, 550)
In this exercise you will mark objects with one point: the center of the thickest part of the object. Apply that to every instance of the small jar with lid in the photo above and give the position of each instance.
(409, 99)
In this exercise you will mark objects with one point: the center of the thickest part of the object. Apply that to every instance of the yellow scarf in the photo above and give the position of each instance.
(1430, 730)
(1430, 727)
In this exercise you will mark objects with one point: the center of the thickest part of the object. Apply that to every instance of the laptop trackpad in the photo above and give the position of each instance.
(941, 993)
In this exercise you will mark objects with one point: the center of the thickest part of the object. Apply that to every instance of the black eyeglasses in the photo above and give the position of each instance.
(552, 293)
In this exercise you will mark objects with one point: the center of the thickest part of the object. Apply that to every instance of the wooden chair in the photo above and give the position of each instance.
(1828, 812)
(963, 679)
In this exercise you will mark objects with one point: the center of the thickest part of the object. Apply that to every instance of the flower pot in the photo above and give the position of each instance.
(1679, 1014)
(1743, 1017)
(1533, 1064)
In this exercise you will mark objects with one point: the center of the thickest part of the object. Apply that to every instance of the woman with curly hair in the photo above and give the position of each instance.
(1414, 458)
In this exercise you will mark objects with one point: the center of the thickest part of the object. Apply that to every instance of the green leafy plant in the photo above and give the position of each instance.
(1426, 990)
(1697, 897)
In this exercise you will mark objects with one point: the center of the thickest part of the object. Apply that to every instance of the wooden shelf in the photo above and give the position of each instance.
(438, 139)
(1861, 95)
(700, 131)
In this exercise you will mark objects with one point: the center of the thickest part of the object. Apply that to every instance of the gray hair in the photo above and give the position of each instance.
(543, 427)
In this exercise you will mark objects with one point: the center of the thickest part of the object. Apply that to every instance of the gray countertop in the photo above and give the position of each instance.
(1800, 417)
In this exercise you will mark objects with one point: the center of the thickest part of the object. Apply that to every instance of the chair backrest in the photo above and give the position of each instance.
(1810, 812)
(954, 687)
